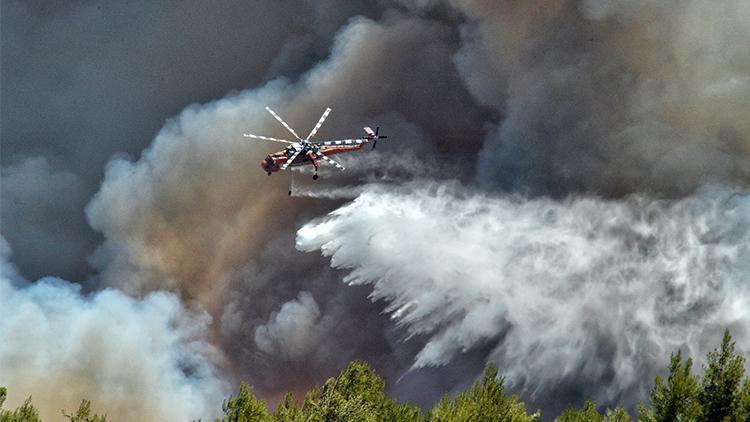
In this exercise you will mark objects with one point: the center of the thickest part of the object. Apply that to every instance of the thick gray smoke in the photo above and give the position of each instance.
(135, 359)
(41, 210)
(197, 215)
(611, 96)
(87, 80)
(586, 291)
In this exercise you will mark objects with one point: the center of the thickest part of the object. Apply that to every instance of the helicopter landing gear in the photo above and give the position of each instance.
(315, 176)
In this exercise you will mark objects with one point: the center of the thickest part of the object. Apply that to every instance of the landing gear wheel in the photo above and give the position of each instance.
(290, 193)
(315, 177)
(269, 173)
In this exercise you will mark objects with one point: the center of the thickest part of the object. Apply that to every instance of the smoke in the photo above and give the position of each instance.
(293, 330)
(183, 210)
(195, 215)
(85, 81)
(135, 359)
(40, 209)
(557, 255)
(613, 96)
(585, 292)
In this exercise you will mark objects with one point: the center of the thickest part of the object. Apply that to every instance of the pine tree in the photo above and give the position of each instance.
(743, 410)
(719, 395)
(619, 414)
(484, 401)
(675, 399)
(84, 414)
(25, 413)
(288, 410)
(356, 395)
(586, 414)
(245, 408)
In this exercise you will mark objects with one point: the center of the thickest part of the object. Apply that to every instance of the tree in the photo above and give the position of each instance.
(245, 407)
(84, 414)
(25, 413)
(588, 413)
(719, 395)
(619, 414)
(676, 399)
(356, 394)
(288, 410)
(744, 405)
(484, 401)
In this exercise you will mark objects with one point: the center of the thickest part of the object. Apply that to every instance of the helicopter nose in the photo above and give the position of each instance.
(267, 164)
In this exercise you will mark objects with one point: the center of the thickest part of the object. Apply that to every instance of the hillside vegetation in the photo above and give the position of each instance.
(722, 394)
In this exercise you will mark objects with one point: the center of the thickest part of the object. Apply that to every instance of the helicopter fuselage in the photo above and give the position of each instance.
(273, 162)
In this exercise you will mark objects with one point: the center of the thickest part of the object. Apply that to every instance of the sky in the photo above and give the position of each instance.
(563, 192)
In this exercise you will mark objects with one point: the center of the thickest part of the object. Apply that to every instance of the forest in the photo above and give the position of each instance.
(720, 394)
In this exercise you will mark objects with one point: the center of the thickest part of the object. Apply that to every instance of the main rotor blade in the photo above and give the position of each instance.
(266, 138)
(320, 123)
(329, 161)
(283, 123)
(343, 142)
(291, 159)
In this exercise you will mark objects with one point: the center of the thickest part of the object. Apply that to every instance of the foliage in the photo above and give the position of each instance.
(589, 413)
(288, 410)
(25, 413)
(718, 397)
(586, 414)
(245, 407)
(484, 401)
(719, 393)
(84, 414)
(743, 410)
(676, 399)
(357, 394)
(619, 414)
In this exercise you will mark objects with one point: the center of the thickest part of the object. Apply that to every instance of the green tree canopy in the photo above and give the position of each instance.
(83, 414)
(719, 394)
(744, 406)
(589, 413)
(356, 394)
(484, 401)
(676, 399)
(245, 407)
(25, 413)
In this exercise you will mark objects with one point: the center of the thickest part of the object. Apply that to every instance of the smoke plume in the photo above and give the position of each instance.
(611, 96)
(135, 359)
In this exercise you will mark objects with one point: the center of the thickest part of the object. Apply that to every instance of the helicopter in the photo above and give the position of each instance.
(304, 152)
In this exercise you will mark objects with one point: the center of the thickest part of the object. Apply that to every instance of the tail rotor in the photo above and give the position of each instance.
(373, 135)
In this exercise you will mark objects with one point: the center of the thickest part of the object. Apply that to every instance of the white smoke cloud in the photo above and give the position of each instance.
(585, 289)
(295, 331)
(135, 359)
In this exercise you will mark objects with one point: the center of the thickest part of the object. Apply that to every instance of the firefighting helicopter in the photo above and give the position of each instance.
(304, 152)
